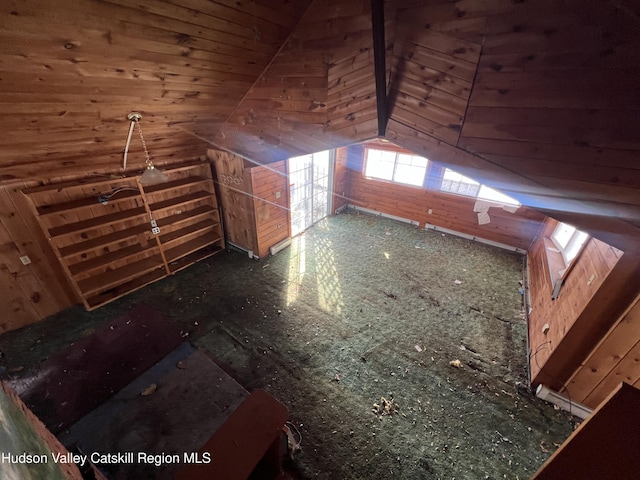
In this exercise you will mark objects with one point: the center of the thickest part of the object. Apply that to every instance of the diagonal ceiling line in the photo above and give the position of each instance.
(284, 44)
(380, 68)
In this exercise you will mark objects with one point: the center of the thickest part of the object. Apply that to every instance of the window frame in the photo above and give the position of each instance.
(570, 244)
(464, 180)
(396, 154)
(433, 176)
(472, 182)
(557, 263)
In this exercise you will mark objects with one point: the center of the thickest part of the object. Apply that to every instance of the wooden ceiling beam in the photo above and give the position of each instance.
(380, 64)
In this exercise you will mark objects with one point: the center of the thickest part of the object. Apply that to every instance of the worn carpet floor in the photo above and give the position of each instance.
(71, 383)
(358, 309)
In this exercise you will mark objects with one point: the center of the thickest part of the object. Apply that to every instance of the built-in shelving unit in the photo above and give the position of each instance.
(104, 233)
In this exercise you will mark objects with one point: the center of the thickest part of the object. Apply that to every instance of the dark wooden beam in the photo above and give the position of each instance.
(377, 23)
(605, 445)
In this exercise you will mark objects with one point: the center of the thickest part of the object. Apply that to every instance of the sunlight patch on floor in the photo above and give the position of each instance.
(327, 278)
(297, 259)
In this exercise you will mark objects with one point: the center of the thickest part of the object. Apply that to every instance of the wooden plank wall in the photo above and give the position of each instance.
(435, 60)
(540, 81)
(271, 203)
(254, 200)
(454, 212)
(606, 445)
(73, 71)
(539, 105)
(296, 107)
(615, 359)
(351, 92)
(535, 98)
(599, 287)
(340, 196)
(34, 291)
(525, 115)
(233, 184)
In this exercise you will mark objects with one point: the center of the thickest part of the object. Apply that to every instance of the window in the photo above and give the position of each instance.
(408, 169)
(569, 241)
(395, 167)
(453, 182)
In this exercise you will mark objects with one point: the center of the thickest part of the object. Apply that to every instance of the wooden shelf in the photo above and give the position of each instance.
(118, 276)
(187, 231)
(187, 216)
(175, 184)
(190, 246)
(183, 200)
(196, 256)
(96, 222)
(112, 294)
(86, 202)
(103, 260)
(94, 182)
(104, 240)
(113, 252)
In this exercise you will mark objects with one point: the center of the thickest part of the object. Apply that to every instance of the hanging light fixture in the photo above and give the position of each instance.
(151, 175)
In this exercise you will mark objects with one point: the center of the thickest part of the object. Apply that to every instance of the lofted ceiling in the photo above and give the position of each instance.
(538, 98)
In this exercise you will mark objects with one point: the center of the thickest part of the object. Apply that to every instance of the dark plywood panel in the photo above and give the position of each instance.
(604, 446)
(243, 440)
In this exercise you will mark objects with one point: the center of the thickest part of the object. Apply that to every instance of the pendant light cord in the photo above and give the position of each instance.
(144, 146)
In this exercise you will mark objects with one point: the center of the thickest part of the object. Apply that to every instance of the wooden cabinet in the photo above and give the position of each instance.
(255, 202)
(113, 235)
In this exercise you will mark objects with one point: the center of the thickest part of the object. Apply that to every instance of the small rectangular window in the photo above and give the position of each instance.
(380, 164)
(453, 182)
(568, 240)
(395, 167)
(410, 169)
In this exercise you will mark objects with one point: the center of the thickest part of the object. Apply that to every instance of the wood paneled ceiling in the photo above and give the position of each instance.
(539, 98)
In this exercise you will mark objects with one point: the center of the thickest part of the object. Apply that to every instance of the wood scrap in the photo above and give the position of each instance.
(385, 407)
